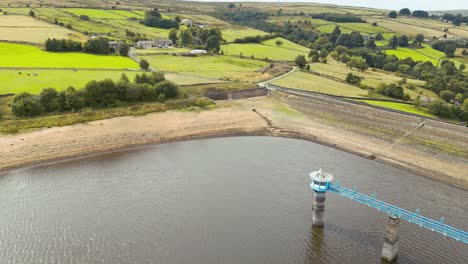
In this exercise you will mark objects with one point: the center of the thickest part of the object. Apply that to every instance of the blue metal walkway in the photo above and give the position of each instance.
(436, 226)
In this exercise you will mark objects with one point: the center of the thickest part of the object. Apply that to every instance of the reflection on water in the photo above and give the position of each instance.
(230, 200)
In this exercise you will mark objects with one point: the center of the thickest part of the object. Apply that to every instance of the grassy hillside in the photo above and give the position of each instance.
(27, 29)
(314, 83)
(267, 49)
(217, 67)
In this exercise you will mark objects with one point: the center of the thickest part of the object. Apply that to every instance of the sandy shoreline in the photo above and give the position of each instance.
(230, 119)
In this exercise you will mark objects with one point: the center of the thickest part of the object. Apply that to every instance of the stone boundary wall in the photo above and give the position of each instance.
(235, 95)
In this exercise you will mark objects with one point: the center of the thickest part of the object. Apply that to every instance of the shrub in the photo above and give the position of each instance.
(300, 61)
(26, 105)
(144, 64)
(391, 90)
(440, 108)
(353, 79)
(97, 45)
(166, 90)
(204, 102)
(124, 49)
(84, 17)
(50, 100)
(447, 95)
(153, 78)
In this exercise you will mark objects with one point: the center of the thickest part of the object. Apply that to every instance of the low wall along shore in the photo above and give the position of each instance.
(236, 95)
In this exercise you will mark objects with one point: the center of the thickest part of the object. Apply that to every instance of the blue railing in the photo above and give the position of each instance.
(415, 218)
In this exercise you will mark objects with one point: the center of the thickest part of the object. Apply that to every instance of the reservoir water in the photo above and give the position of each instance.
(228, 200)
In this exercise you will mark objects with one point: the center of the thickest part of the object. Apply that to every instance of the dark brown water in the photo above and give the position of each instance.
(230, 200)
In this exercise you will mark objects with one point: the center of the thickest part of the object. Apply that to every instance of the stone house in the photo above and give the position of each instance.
(116, 45)
(157, 43)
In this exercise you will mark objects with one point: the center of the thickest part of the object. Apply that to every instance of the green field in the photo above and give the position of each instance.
(314, 83)
(219, 67)
(13, 82)
(328, 28)
(127, 14)
(363, 28)
(96, 13)
(401, 107)
(17, 55)
(268, 49)
(231, 34)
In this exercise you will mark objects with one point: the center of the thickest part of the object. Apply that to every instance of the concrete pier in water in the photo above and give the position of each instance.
(392, 242)
(318, 213)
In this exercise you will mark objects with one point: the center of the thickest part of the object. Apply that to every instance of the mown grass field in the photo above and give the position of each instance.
(128, 14)
(218, 67)
(401, 107)
(18, 55)
(27, 29)
(314, 83)
(268, 49)
(13, 82)
(231, 34)
(364, 28)
(413, 26)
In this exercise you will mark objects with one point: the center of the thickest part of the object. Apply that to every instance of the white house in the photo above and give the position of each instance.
(198, 51)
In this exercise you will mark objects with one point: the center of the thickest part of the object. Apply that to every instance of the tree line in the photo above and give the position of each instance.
(339, 18)
(96, 94)
(98, 45)
(456, 20)
(407, 12)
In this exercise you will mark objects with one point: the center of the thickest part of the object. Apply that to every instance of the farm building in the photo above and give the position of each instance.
(157, 43)
(116, 44)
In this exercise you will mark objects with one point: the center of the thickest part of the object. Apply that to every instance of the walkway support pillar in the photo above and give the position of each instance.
(392, 242)
(318, 213)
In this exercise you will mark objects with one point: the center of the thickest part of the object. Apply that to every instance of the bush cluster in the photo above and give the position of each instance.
(353, 79)
(255, 39)
(96, 94)
(392, 90)
(62, 45)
